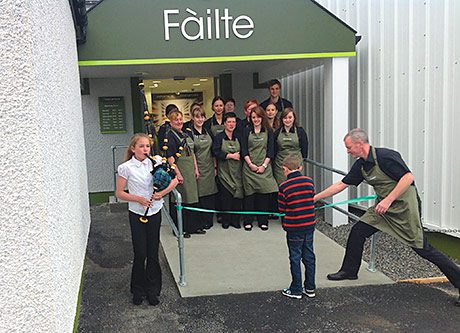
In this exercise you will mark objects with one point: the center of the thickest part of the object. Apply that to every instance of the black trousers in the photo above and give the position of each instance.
(146, 271)
(354, 252)
(228, 202)
(260, 202)
(206, 219)
(190, 220)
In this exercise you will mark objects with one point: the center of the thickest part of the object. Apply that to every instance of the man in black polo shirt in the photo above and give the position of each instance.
(397, 211)
(274, 88)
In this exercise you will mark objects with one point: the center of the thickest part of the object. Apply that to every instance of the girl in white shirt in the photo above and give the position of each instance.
(135, 174)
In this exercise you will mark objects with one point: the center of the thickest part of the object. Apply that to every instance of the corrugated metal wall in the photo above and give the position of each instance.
(405, 90)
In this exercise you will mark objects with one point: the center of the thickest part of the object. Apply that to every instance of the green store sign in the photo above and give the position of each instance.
(148, 32)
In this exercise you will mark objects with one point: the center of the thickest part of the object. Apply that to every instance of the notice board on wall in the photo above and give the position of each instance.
(112, 115)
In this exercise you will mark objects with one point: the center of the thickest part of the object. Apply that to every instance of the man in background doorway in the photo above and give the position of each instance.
(274, 88)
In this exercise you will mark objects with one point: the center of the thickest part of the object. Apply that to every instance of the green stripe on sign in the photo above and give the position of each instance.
(213, 59)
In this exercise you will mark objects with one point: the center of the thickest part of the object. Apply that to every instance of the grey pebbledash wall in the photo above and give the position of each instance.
(44, 207)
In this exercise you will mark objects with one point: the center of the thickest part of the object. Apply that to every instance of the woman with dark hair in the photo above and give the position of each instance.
(258, 182)
(273, 120)
(226, 149)
(181, 147)
(215, 124)
(206, 164)
(290, 139)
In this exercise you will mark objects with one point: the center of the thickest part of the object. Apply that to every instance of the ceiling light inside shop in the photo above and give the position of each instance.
(203, 80)
(196, 84)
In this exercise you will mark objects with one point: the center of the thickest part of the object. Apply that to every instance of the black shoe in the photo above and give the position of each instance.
(207, 227)
(200, 232)
(225, 225)
(341, 275)
(153, 299)
(236, 226)
(264, 227)
(248, 227)
(137, 299)
(187, 235)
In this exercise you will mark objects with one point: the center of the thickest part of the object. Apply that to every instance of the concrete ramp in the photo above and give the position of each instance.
(235, 261)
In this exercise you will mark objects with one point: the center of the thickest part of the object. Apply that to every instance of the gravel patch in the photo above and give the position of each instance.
(394, 259)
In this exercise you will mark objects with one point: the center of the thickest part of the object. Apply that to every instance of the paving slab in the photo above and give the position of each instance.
(235, 261)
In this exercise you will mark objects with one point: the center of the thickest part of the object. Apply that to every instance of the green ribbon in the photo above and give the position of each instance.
(366, 198)
(195, 209)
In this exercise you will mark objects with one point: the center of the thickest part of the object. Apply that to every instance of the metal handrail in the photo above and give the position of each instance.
(114, 167)
(178, 231)
(371, 264)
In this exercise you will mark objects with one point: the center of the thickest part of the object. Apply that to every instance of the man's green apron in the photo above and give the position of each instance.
(258, 182)
(189, 189)
(288, 144)
(402, 219)
(229, 171)
(206, 181)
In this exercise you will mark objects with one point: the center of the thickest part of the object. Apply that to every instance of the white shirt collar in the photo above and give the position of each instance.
(138, 163)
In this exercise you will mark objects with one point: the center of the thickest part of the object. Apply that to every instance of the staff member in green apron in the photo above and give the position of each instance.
(290, 139)
(226, 149)
(397, 211)
(206, 164)
(180, 146)
(215, 124)
(259, 184)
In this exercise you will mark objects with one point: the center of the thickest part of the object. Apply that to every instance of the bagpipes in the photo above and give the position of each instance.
(162, 174)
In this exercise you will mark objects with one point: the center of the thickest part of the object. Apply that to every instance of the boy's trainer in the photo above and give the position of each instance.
(309, 293)
(287, 292)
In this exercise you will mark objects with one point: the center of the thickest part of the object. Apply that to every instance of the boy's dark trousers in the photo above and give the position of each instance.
(300, 245)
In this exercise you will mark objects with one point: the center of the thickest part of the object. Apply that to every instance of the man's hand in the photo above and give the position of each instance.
(383, 206)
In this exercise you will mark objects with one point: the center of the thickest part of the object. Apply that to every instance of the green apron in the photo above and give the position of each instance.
(287, 144)
(229, 171)
(206, 181)
(258, 182)
(216, 129)
(402, 219)
(189, 189)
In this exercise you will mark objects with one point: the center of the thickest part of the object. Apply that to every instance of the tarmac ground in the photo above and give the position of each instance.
(106, 300)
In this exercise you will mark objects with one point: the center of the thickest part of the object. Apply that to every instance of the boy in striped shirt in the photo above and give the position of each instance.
(295, 200)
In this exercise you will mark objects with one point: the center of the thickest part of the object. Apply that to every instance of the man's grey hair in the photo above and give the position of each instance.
(357, 134)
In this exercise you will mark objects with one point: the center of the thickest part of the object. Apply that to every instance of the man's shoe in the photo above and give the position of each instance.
(287, 292)
(137, 299)
(341, 275)
(225, 225)
(187, 235)
(153, 299)
(309, 293)
(236, 226)
(200, 232)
